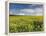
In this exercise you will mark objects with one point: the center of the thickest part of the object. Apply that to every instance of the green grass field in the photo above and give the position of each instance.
(25, 24)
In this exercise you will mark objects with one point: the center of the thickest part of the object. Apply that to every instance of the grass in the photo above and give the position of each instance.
(25, 24)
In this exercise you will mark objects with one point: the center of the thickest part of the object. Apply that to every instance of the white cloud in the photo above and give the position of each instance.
(10, 12)
(27, 10)
(20, 14)
(36, 11)
(38, 14)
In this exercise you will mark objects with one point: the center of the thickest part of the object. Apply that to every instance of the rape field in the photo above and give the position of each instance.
(25, 23)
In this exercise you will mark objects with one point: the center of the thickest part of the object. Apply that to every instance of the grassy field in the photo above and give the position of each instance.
(25, 24)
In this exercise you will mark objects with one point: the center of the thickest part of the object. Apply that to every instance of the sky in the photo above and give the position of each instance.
(25, 9)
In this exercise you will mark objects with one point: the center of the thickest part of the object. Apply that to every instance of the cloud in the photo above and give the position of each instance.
(20, 14)
(36, 11)
(27, 10)
(39, 11)
(11, 13)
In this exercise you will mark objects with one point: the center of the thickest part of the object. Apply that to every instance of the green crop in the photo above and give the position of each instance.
(25, 24)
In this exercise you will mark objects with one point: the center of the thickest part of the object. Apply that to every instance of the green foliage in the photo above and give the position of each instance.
(25, 24)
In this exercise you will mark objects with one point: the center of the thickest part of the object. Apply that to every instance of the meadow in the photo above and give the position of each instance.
(25, 23)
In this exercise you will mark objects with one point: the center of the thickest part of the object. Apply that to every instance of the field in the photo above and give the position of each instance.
(25, 24)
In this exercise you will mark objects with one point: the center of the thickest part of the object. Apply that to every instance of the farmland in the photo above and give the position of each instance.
(25, 23)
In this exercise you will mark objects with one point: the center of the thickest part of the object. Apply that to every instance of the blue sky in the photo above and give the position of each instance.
(25, 9)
